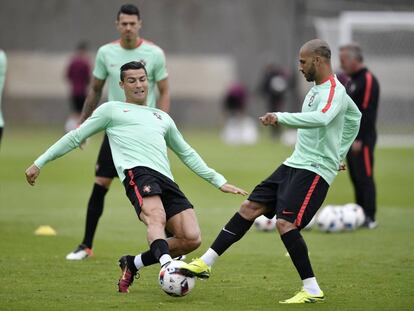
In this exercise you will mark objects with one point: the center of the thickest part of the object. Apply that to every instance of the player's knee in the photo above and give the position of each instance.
(250, 210)
(103, 181)
(193, 243)
(284, 226)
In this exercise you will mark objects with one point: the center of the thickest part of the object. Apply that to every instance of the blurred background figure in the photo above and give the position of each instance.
(240, 129)
(78, 74)
(363, 88)
(273, 87)
(3, 69)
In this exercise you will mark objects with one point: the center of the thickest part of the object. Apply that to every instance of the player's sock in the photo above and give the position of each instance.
(95, 209)
(311, 286)
(210, 257)
(159, 249)
(145, 259)
(298, 252)
(231, 233)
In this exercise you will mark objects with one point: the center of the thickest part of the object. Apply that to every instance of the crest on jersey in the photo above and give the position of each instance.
(146, 189)
(157, 115)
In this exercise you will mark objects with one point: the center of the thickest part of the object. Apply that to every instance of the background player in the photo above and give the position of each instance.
(109, 59)
(363, 87)
(78, 74)
(327, 126)
(139, 137)
(3, 69)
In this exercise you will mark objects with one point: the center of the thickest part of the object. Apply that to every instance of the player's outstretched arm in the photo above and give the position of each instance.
(32, 173)
(228, 188)
(269, 118)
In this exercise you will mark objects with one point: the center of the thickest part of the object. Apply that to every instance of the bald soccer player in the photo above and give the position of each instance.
(327, 126)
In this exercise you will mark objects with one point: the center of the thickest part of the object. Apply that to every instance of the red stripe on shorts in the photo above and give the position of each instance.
(305, 203)
(133, 184)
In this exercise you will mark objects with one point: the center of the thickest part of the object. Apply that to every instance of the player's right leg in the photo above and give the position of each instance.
(104, 174)
(153, 216)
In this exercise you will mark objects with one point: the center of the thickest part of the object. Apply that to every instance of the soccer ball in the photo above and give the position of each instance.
(262, 223)
(173, 282)
(329, 219)
(358, 211)
(349, 218)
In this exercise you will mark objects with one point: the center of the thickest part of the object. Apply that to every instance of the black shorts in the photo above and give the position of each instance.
(105, 166)
(141, 182)
(77, 102)
(291, 194)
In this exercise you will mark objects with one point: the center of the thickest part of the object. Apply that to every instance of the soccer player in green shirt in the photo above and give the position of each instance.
(110, 57)
(327, 126)
(3, 69)
(139, 137)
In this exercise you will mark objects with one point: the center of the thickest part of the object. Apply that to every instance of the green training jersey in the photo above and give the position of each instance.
(3, 69)
(138, 136)
(112, 56)
(327, 126)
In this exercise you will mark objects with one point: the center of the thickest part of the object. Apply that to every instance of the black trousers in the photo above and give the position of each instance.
(361, 169)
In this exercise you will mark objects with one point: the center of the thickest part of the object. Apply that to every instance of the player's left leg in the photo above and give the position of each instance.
(302, 198)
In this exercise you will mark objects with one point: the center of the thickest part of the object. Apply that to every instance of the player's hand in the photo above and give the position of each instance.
(269, 118)
(227, 188)
(356, 146)
(31, 174)
(342, 167)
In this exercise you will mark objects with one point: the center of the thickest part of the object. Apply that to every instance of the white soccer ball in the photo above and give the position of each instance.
(262, 223)
(349, 218)
(173, 282)
(358, 211)
(329, 219)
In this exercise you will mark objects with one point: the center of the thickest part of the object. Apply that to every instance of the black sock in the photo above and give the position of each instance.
(148, 258)
(298, 252)
(231, 233)
(95, 209)
(158, 248)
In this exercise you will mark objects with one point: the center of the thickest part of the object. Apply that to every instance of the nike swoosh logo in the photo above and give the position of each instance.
(126, 110)
(224, 229)
(287, 213)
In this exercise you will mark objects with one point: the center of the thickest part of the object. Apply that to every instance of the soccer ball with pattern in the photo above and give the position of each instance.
(357, 211)
(262, 223)
(173, 282)
(329, 219)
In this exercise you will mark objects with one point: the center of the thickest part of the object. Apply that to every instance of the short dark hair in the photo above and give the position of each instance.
(132, 65)
(128, 9)
(323, 51)
(354, 50)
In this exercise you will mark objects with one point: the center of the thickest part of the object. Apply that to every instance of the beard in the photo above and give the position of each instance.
(310, 75)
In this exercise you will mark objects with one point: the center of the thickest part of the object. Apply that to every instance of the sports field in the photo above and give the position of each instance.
(361, 270)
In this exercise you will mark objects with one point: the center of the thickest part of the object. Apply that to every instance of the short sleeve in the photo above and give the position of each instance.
(100, 71)
(160, 68)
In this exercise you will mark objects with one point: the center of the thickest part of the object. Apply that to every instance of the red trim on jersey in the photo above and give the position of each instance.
(331, 94)
(327, 79)
(368, 88)
(367, 161)
(132, 183)
(305, 203)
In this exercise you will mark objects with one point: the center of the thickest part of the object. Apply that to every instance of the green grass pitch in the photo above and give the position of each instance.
(361, 270)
